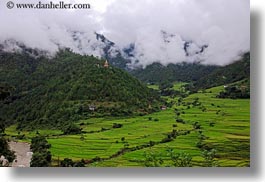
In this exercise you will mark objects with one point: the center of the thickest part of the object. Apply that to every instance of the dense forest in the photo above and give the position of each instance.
(183, 72)
(44, 92)
(234, 72)
(199, 76)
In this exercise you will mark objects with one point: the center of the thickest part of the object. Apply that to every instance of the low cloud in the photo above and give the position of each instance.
(214, 32)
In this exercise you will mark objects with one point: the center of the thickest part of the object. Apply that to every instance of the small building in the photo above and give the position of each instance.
(106, 64)
(92, 107)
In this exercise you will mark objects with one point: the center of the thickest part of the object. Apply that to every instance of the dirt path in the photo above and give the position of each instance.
(22, 152)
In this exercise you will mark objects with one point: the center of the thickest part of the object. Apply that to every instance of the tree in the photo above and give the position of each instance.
(67, 163)
(179, 159)
(2, 128)
(5, 151)
(70, 163)
(209, 156)
(41, 155)
(153, 159)
(4, 147)
(72, 129)
(41, 159)
(39, 143)
(166, 88)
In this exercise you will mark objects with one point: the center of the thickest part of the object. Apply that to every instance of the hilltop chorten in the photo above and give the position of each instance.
(106, 64)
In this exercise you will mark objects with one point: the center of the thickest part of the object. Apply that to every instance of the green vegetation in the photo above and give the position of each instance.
(183, 72)
(70, 163)
(4, 147)
(51, 93)
(217, 135)
(237, 90)
(78, 113)
(234, 72)
(197, 75)
(5, 151)
(41, 155)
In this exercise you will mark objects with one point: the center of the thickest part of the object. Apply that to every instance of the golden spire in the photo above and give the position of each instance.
(106, 64)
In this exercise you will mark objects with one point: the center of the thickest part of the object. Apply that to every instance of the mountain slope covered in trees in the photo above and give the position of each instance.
(53, 92)
(201, 76)
(183, 72)
(234, 72)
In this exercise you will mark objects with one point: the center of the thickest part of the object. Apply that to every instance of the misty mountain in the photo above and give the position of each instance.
(126, 57)
(97, 44)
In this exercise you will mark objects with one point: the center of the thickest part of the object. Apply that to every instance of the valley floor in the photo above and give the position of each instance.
(222, 125)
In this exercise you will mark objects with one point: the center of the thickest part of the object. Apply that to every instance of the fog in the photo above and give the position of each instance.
(158, 29)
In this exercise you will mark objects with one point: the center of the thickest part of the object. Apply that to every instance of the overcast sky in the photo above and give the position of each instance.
(223, 25)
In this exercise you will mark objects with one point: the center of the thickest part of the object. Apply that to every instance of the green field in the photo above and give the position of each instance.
(224, 124)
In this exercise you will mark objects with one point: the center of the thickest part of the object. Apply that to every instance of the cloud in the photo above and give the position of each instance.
(158, 29)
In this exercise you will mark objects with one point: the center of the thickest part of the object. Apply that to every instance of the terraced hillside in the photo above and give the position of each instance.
(192, 126)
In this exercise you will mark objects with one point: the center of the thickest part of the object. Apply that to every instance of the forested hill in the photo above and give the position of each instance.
(182, 72)
(202, 76)
(46, 92)
(236, 71)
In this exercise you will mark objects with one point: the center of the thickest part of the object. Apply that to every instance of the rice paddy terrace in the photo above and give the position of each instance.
(192, 124)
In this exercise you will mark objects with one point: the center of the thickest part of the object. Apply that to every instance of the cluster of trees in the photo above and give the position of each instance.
(197, 75)
(4, 91)
(41, 155)
(171, 158)
(234, 92)
(70, 163)
(52, 92)
(4, 147)
(183, 72)
(234, 72)
(166, 88)
(72, 129)
(241, 90)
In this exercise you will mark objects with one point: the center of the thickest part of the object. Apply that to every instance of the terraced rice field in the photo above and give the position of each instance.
(224, 123)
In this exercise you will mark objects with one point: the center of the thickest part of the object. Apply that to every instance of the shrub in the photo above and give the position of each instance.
(179, 159)
(5, 150)
(67, 162)
(199, 144)
(151, 143)
(20, 137)
(209, 156)
(82, 138)
(122, 139)
(72, 129)
(116, 125)
(167, 139)
(196, 125)
(41, 156)
(180, 121)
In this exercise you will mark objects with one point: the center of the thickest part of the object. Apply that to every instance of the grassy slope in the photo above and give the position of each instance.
(230, 135)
